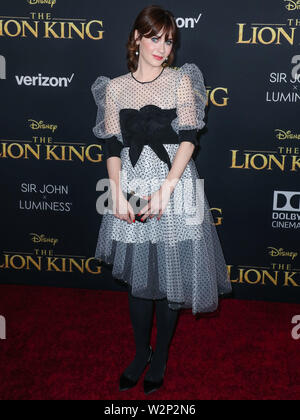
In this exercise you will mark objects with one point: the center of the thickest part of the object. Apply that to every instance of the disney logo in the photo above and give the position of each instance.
(40, 125)
(37, 239)
(286, 135)
(34, 2)
(281, 253)
(292, 5)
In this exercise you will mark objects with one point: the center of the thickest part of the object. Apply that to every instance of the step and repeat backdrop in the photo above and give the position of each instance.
(51, 51)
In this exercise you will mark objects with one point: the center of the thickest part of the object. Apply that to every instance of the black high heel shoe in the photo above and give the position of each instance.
(127, 383)
(151, 386)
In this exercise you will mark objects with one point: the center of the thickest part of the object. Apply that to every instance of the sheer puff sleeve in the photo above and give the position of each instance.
(107, 125)
(191, 100)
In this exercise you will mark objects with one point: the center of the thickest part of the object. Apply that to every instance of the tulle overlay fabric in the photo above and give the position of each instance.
(178, 257)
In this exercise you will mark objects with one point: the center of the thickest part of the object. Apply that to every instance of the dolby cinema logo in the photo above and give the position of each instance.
(286, 210)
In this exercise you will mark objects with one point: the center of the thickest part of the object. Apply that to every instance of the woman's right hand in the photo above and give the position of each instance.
(124, 210)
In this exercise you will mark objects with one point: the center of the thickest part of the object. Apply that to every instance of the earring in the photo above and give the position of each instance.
(165, 62)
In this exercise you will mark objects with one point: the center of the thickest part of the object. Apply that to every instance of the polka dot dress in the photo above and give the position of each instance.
(178, 257)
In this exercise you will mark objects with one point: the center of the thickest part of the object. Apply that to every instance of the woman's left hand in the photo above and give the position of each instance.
(157, 204)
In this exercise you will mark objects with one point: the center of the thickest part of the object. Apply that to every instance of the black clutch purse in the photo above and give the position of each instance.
(137, 203)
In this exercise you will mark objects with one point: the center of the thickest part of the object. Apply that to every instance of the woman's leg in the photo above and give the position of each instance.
(141, 315)
(166, 320)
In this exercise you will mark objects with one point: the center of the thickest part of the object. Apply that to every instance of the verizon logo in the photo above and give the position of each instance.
(188, 22)
(44, 81)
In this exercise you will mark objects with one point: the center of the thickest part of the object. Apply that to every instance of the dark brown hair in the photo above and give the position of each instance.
(150, 21)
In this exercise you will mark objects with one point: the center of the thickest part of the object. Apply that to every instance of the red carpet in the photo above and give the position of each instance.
(74, 344)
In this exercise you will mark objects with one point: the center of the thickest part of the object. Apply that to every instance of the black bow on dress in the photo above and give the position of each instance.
(150, 125)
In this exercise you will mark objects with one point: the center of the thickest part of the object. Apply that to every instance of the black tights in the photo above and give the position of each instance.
(141, 315)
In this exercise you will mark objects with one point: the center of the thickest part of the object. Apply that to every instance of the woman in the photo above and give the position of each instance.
(149, 119)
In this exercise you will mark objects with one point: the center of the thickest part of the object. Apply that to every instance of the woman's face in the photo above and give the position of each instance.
(154, 50)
